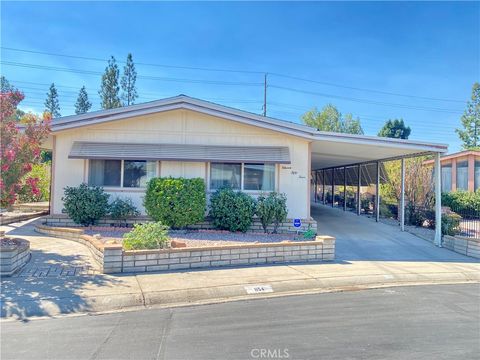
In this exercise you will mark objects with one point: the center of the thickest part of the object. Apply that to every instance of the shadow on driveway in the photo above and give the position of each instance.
(360, 238)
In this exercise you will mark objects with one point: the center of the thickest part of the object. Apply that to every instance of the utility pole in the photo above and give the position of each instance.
(265, 95)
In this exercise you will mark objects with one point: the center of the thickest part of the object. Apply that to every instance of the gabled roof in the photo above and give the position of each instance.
(240, 116)
(181, 102)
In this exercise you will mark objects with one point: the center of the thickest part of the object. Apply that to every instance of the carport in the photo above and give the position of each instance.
(355, 161)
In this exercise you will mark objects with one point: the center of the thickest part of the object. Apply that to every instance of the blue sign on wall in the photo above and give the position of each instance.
(297, 222)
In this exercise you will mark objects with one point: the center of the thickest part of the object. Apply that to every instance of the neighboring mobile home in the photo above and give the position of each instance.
(460, 171)
(121, 149)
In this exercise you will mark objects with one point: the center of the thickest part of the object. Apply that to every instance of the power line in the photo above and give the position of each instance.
(366, 101)
(52, 68)
(159, 78)
(136, 63)
(364, 89)
(297, 78)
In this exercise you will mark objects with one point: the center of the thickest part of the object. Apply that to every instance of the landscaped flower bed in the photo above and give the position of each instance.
(197, 238)
(241, 250)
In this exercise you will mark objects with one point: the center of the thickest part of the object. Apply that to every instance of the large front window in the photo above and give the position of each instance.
(136, 173)
(260, 177)
(251, 177)
(223, 175)
(105, 172)
(120, 173)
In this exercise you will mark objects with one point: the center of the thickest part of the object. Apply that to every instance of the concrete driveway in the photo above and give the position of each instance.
(361, 238)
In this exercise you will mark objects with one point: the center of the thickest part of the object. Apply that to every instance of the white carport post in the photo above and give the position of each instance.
(438, 201)
(402, 197)
(359, 184)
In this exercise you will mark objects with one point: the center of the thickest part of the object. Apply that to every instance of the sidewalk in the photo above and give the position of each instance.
(88, 291)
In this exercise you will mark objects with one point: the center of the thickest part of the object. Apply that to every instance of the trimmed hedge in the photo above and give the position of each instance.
(176, 202)
(232, 210)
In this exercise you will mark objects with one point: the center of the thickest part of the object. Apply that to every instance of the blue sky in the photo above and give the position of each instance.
(418, 49)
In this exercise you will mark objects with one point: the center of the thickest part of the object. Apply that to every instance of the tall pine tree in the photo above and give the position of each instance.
(82, 105)
(109, 88)
(129, 90)
(470, 135)
(51, 103)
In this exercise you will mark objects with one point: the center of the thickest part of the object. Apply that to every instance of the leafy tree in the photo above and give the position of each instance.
(19, 150)
(395, 129)
(109, 88)
(128, 82)
(470, 135)
(330, 119)
(419, 188)
(82, 105)
(6, 87)
(51, 103)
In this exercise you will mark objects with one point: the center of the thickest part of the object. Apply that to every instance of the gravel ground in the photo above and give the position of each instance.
(198, 238)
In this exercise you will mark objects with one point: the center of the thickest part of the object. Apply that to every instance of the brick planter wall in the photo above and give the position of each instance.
(111, 258)
(285, 227)
(116, 260)
(14, 257)
(462, 245)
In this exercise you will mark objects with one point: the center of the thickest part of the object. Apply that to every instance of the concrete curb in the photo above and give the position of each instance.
(217, 294)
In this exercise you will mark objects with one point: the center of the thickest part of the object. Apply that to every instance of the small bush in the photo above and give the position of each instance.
(310, 233)
(146, 236)
(450, 223)
(176, 202)
(40, 174)
(121, 209)
(231, 210)
(279, 209)
(264, 211)
(85, 205)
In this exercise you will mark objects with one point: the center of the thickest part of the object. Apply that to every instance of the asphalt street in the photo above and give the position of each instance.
(416, 322)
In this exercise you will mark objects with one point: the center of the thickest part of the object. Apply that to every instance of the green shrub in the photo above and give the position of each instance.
(42, 173)
(231, 210)
(85, 205)
(279, 209)
(264, 211)
(152, 235)
(176, 202)
(310, 233)
(462, 201)
(121, 209)
(450, 223)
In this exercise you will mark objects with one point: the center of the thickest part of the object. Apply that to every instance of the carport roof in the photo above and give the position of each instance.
(335, 150)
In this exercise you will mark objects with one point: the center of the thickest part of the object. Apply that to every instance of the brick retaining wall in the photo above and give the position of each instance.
(13, 258)
(462, 245)
(111, 258)
(285, 227)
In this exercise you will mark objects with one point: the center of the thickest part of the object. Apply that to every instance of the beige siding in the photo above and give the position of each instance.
(184, 127)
